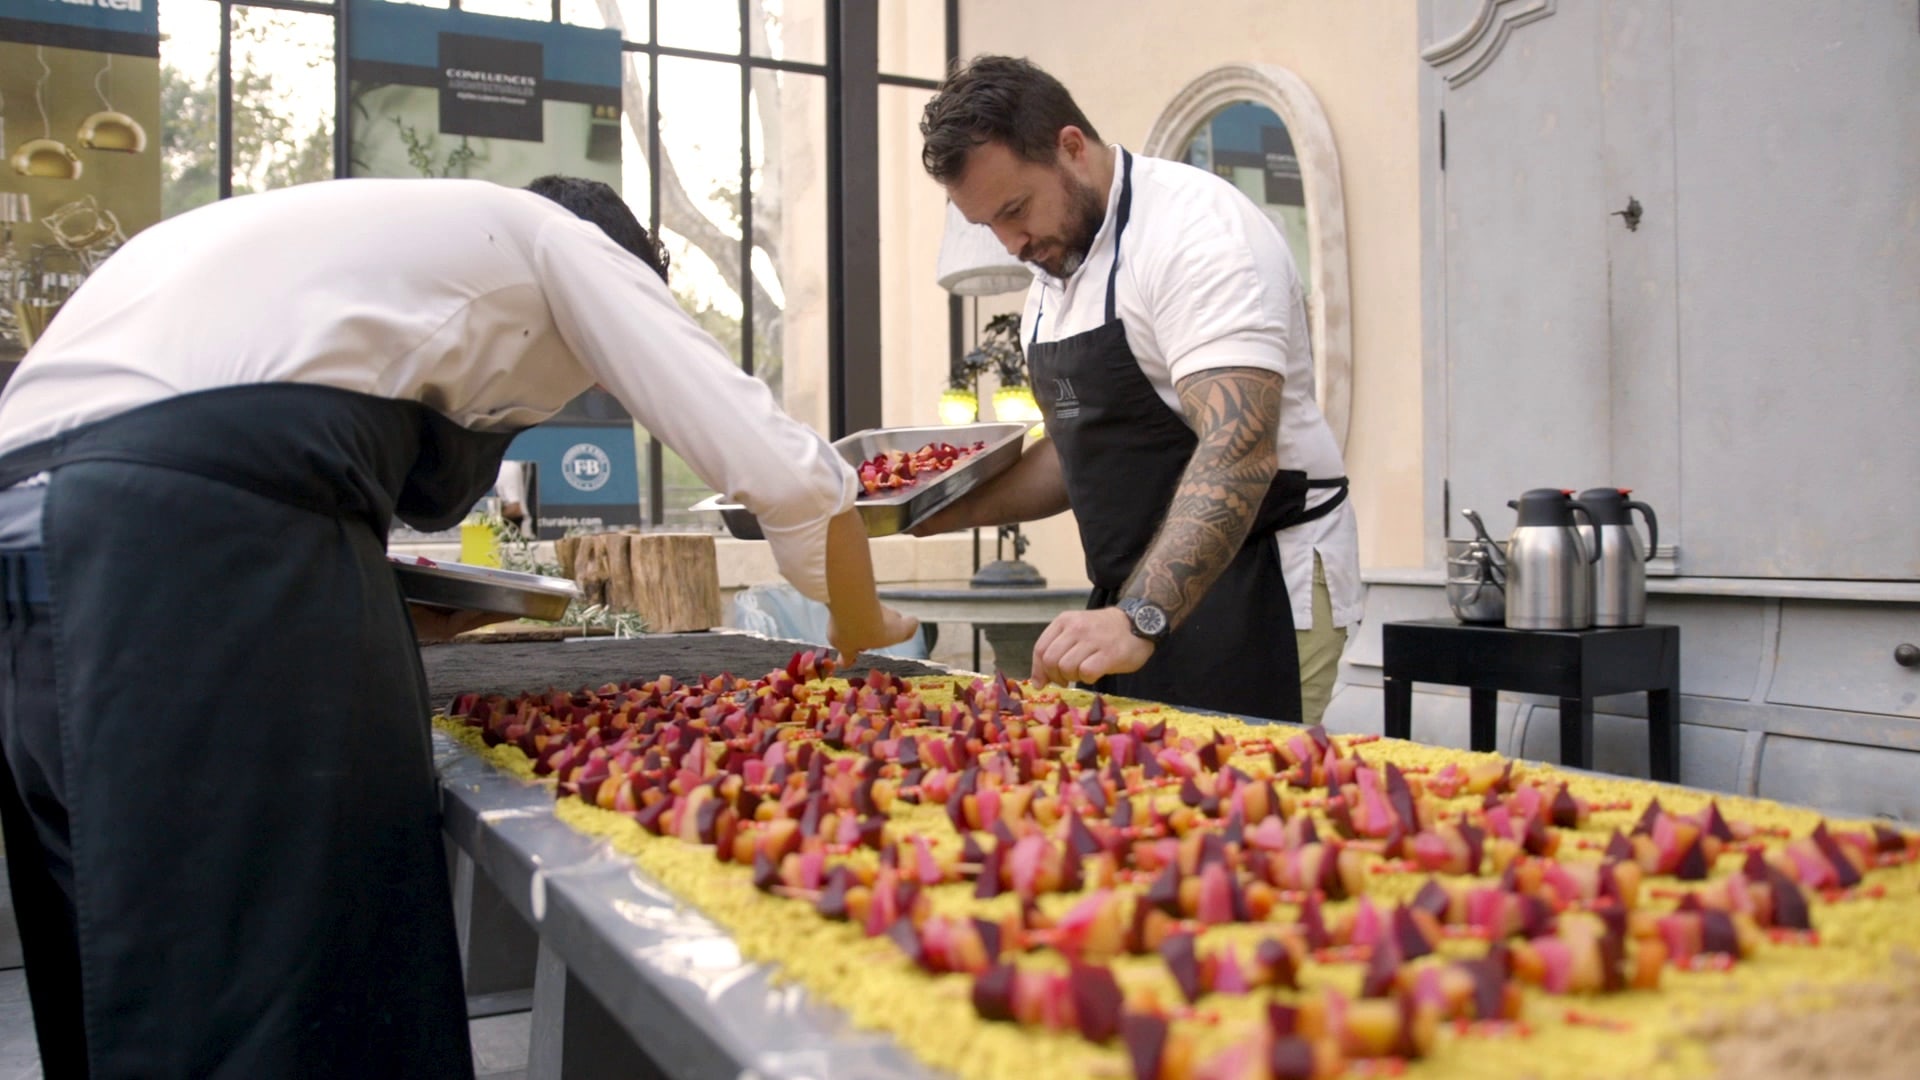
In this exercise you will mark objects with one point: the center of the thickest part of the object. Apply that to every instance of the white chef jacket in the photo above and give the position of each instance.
(1206, 281)
(492, 305)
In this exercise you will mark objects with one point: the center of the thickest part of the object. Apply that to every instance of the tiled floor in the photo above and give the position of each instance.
(499, 1042)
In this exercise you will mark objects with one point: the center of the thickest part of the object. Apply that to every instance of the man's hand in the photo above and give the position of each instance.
(432, 624)
(891, 628)
(1082, 646)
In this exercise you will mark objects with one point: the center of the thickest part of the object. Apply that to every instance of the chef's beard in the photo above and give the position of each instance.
(1086, 212)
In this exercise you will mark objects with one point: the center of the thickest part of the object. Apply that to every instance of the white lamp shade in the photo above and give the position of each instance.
(972, 262)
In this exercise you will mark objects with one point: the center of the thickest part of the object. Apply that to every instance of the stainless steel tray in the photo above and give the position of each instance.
(464, 587)
(902, 510)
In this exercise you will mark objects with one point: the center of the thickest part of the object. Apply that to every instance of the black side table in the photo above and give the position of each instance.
(1575, 666)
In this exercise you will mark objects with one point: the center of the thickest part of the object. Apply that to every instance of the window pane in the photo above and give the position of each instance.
(189, 109)
(913, 307)
(537, 10)
(790, 241)
(708, 25)
(627, 16)
(283, 98)
(700, 218)
(636, 173)
(913, 38)
(789, 29)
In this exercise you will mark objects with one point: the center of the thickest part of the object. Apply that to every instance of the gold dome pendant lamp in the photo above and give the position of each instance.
(111, 129)
(45, 157)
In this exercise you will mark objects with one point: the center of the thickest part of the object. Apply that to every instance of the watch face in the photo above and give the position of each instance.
(1150, 620)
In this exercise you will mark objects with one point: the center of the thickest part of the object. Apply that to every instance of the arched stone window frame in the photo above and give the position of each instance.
(1329, 305)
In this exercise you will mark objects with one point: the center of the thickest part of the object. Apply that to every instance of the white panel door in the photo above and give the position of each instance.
(1525, 254)
(1797, 137)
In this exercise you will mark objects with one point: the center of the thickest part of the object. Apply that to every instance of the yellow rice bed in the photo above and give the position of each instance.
(1863, 976)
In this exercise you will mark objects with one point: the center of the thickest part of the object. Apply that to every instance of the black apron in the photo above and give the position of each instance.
(227, 778)
(1123, 451)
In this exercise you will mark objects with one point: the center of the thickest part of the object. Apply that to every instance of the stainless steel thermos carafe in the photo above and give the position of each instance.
(1550, 563)
(1620, 575)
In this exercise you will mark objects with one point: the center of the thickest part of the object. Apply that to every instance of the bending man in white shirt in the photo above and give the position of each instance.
(220, 805)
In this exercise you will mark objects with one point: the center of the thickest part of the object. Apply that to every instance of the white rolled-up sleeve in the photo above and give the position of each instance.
(623, 325)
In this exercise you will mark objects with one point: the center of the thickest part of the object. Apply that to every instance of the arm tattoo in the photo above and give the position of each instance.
(1236, 413)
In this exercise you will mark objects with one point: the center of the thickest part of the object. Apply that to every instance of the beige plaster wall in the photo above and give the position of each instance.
(1124, 62)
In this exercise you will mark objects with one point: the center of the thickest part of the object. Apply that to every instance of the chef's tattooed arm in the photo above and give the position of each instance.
(1236, 414)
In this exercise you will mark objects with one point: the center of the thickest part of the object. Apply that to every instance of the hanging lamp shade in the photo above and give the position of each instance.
(110, 130)
(972, 262)
(46, 158)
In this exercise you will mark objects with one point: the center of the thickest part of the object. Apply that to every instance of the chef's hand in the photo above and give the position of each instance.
(886, 627)
(438, 624)
(1082, 646)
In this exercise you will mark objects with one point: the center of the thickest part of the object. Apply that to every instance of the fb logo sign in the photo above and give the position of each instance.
(586, 467)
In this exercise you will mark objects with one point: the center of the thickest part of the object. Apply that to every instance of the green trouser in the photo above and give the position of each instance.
(1320, 650)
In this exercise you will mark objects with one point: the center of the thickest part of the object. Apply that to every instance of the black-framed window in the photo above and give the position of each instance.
(749, 144)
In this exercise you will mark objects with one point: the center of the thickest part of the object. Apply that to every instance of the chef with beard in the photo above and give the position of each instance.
(1166, 340)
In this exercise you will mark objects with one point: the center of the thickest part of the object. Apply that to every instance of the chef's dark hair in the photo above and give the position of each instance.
(996, 98)
(594, 201)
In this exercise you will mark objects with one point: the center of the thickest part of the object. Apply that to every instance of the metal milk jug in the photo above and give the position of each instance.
(1620, 577)
(1550, 563)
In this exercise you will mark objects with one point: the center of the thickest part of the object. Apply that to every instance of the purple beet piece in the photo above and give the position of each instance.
(1716, 823)
(1382, 966)
(993, 992)
(987, 885)
(1400, 797)
(989, 932)
(1080, 838)
(1407, 935)
(1849, 876)
(653, 818)
(1181, 959)
(1789, 903)
(1566, 812)
(1647, 817)
(1097, 1001)
(905, 936)
(833, 898)
(1693, 863)
(1088, 755)
(1146, 1039)
(1273, 956)
(1619, 847)
(1164, 893)
(1291, 1058)
(1717, 934)
(765, 874)
(1433, 899)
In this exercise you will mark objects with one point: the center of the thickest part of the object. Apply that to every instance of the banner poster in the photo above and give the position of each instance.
(79, 149)
(442, 93)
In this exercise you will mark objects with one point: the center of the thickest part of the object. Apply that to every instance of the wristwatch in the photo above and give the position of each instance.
(1148, 618)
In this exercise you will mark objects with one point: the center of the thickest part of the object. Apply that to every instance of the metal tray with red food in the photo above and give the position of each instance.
(887, 512)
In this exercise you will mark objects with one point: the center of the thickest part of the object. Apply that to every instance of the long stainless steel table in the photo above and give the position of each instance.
(628, 981)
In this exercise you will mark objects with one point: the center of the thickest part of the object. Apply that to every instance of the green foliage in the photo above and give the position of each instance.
(268, 150)
(420, 153)
(521, 554)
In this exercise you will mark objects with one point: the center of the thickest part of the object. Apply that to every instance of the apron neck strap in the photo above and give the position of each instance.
(1121, 214)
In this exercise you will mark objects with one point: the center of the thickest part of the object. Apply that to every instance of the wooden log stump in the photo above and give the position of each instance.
(675, 581)
(672, 580)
